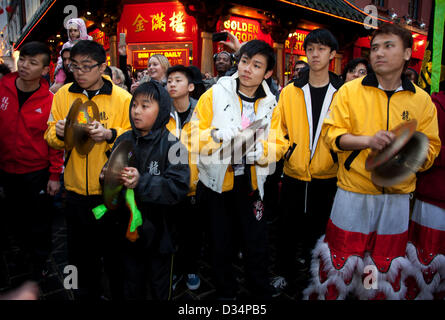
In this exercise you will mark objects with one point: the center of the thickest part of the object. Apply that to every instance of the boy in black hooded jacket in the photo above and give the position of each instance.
(159, 175)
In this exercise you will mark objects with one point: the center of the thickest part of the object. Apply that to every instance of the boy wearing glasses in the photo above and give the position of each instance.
(89, 240)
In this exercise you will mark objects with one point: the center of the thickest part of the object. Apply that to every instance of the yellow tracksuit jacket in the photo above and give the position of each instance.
(362, 108)
(82, 171)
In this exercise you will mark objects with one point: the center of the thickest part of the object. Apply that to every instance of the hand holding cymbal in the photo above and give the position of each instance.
(130, 177)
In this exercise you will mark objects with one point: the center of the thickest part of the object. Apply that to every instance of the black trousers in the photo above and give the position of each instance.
(228, 212)
(306, 207)
(189, 236)
(27, 216)
(93, 247)
(147, 272)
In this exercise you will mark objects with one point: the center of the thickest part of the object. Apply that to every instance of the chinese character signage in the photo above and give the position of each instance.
(174, 56)
(156, 22)
(100, 38)
(294, 44)
(244, 29)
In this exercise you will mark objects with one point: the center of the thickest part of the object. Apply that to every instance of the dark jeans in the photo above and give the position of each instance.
(27, 215)
(229, 211)
(306, 207)
(93, 246)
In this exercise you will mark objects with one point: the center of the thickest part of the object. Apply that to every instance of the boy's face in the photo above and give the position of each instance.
(144, 112)
(87, 72)
(252, 71)
(388, 55)
(74, 33)
(178, 86)
(319, 56)
(31, 67)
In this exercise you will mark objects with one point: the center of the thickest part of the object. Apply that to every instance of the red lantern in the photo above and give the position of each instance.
(1, 10)
(9, 9)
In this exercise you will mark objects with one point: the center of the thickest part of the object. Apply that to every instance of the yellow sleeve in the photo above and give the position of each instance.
(58, 112)
(201, 126)
(337, 121)
(430, 127)
(276, 144)
(122, 123)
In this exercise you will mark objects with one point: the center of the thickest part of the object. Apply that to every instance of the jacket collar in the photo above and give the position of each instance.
(9, 82)
(192, 104)
(107, 88)
(371, 81)
(334, 79)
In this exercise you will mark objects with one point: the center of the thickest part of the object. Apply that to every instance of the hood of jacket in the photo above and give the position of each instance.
(79, 24)
(164, 108)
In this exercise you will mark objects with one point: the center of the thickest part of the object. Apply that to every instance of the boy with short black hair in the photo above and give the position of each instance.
(29, 169)
(89, 241)
(160, 178)
(233, 192)
(308, 184)
(180, 85)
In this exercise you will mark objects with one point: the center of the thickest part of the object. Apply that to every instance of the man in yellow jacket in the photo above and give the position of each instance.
(367, 231)
(310, 168)
(233, 190)
(88, 240)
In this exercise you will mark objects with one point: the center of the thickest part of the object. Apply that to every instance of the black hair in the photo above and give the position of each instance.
(321, 36)
(90, 49)
(34, 48)
(254, 47)
(350, 66)
(108, 71)
(301, 62)
(148, 89)
(4, 69)
(181, 69)
(402, 33)
(65, 50)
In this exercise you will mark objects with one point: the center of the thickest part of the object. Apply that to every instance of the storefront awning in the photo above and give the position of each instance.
(340, 9)
(45, 6)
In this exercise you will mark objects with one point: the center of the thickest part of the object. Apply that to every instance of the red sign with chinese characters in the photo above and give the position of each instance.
(100, 38)
(155, 22)
(294, 44)
(244, 29)
(174, 56)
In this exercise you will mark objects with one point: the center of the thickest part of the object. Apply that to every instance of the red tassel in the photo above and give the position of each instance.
(1, 10)
(9, 9)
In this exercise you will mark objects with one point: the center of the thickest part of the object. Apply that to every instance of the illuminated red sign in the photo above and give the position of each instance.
(174, 56)
(154, 22)
(100, 38)
(294, 44)
(244, 29)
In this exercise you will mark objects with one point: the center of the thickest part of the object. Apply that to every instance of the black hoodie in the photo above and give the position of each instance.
(163, 182)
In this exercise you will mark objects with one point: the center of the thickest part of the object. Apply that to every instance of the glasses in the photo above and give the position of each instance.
(84, 68)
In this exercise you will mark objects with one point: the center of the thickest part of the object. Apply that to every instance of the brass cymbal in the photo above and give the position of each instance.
(70, 120)
(403, 164)
(119, 159)
(401, 158)
(403, 133)
(83, 117)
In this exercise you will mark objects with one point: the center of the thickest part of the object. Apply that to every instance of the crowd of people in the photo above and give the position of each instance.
(305, 165)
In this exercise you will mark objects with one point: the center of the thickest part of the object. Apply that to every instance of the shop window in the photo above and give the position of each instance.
(413, 9)
(379, 3)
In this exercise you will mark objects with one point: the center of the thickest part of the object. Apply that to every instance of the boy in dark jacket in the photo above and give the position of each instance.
(160, 178)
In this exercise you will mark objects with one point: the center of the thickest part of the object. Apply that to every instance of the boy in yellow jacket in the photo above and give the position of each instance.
(308, 184)
(367, 231)
(88, 239)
